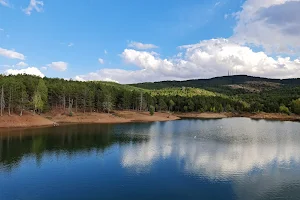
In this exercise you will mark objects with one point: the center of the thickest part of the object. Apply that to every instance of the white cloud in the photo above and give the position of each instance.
(79, 78)
(105, 52)
(110, 80)
(206, 59)
(4, 3)
(101, 61)
(272, 24)
(102, 75)
(11, 54)
(44, 68)
(70, 44)
(30, 70)
(217, 3)
(7, 66)
(59, 66)
(141, 46)
(97, 77)
(34, 5)
(22, 64)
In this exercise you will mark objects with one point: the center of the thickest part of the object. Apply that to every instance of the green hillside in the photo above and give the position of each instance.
(221, 94)
(261, 94)
(184, 92)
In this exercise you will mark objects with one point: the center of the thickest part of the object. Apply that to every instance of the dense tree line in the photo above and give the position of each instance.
(283, 99)
(216, 82)
(25, 92)
(266, 95)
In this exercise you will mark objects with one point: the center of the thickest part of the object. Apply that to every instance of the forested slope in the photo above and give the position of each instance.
(260, 94)
(25, 92)
(222, 94)
(213, 82)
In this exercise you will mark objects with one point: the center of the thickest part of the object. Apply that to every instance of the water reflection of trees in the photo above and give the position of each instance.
(67, 140)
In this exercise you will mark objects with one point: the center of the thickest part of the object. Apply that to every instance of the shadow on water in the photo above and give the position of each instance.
(68, 139)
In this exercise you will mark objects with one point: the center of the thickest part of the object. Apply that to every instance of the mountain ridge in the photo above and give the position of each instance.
(215, 81)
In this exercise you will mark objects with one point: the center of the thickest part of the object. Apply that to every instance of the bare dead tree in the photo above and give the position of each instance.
(70, 105)
(64, 102)
(9, 101)
(141, 102)
(2, 101)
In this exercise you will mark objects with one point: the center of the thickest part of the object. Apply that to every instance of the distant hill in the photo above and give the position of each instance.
(217, 81)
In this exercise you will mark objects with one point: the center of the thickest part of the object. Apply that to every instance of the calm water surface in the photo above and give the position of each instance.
(234, 158)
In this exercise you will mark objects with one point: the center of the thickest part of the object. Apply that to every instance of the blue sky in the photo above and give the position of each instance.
(69, 37)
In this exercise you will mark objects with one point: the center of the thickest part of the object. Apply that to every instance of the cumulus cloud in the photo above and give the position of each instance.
(44, 68)
(30, 70)
(110, 80)
(205, 59)
(272, 24)
(11, 54)
(101, 75)
(143, 59)
(80, 78)
(34, 5)
(4, 3)
(141, 46)
(22, 64)
(59, 66)
(101, 61)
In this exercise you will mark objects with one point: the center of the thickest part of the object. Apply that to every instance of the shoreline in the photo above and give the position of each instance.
(254, 116)
(28, 120)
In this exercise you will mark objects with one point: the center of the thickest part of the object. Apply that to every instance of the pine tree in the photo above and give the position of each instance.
(40, 97)
(107, 104)
(37, 102)
(2, 101)
(43, 91)
(23, 101)
(141, 102)
(171, 105)
(162, 105)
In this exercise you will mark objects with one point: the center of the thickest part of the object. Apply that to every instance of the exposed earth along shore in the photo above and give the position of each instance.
(53, 119)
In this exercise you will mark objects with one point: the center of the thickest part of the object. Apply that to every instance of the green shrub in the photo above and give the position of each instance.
(151, 110)
(296, 106)
(284, 109)
(185, 108)
(228, 108)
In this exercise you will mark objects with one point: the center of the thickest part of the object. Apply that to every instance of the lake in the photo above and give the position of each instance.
(236, 158)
